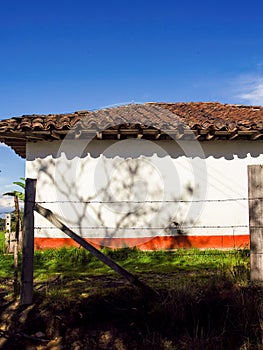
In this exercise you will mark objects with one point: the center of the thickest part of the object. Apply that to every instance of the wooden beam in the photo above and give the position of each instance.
(255, 136)
(99, 135)
(197, 134)
(255, 196)
(26, 296)
(158, 134)
(246, 132)
(179, 135)
(140, 134)
(55, 135)
(233, 135)
(46, 213)
(210, 135)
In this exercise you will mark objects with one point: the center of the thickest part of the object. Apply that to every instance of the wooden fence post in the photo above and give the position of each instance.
(28, 244)
(255, 198)
(16, 243)
(46, 213)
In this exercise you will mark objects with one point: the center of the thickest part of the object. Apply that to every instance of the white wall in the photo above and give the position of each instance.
(156, 174)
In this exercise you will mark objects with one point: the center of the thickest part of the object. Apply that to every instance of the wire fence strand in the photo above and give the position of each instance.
(204, 200)
(180, 227)
(151, 201)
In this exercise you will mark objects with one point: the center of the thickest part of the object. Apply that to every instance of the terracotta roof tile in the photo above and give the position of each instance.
(194, 112)
(200, 117)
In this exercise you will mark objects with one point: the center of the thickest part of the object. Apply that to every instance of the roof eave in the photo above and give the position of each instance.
(18, 140)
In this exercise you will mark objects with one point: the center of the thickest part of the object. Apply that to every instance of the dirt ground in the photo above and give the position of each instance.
(105, 312)
(81, 322)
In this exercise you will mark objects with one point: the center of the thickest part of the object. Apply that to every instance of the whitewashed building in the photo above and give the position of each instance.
(153, 175)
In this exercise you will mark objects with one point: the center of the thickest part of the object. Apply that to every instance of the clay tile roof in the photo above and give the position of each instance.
(201, 118)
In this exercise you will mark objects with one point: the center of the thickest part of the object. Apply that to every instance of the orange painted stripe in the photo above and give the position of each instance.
(155, 243)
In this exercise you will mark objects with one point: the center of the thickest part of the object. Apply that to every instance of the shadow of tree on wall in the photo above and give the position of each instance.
(125, 208)
(106, 189)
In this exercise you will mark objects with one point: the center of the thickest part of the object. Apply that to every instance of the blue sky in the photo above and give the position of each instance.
(62, 56)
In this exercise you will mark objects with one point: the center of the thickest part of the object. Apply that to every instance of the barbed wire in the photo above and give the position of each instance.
(146, 201)
(178, 228)
(219, 200)
(150, 201)
(212, 200)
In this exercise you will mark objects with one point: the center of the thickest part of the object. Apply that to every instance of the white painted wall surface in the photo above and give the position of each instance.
(75, 177)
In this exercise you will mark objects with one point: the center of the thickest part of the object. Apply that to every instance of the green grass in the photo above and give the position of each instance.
(6, 260)
(72, 262)
(78, 261)
(80, 272)
(2, 242)
(206, 300)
